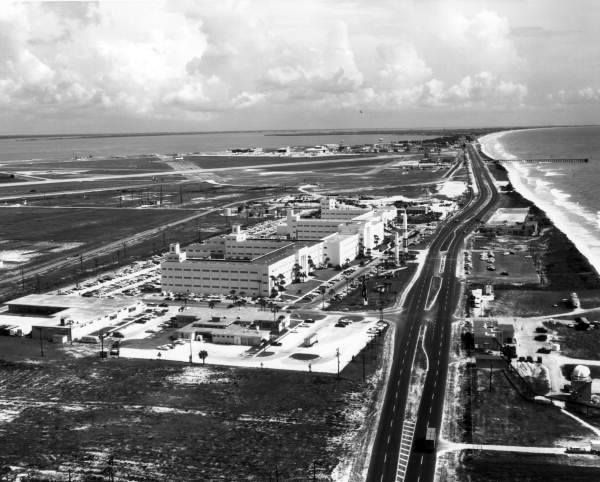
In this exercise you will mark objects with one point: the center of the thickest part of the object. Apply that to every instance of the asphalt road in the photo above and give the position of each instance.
(420, 466)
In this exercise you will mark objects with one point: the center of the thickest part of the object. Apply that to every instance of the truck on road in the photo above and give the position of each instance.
(430, 441)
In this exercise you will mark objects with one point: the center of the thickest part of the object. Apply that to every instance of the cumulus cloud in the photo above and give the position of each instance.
(199, 60)
(584, 95)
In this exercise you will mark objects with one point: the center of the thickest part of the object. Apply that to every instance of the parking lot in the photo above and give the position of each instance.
(502, 266)
(289, 353)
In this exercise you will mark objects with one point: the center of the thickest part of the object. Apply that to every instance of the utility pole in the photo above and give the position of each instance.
(314, 471)
(337, 354)
(363, 364)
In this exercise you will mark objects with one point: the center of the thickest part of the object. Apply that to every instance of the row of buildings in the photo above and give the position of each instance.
(259, 266)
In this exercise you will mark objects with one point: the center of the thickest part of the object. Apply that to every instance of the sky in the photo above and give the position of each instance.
(206, 65)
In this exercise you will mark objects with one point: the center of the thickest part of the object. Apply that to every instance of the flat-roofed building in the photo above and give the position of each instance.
(46, 315)
(254, 266)
(491, 334)
(517, 221)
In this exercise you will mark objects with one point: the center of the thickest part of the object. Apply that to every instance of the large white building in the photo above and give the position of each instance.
(234, 262)
(367, 223)
(256, 266)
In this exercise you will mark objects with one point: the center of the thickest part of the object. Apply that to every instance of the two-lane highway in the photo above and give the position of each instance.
(421, 466)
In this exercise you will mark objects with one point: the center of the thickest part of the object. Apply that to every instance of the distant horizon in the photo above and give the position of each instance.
(320, 131)
(99, 68)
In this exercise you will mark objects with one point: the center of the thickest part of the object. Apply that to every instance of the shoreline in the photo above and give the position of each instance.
(559, 219)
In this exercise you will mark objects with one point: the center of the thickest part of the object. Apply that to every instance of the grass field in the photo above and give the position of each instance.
(575, 343)
(476, 466)
(163, 421)
(502, 417)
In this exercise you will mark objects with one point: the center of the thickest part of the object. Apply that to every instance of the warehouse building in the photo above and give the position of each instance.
(50, 316)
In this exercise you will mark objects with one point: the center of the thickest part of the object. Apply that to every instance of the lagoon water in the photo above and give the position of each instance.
(568, 193)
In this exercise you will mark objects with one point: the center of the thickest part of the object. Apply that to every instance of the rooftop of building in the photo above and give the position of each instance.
(484, 325)
(243, 313)
(231, 330)
(69, 307)
(508, 216)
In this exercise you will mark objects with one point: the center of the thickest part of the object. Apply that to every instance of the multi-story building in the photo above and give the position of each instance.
(258, 266)
(220, 265)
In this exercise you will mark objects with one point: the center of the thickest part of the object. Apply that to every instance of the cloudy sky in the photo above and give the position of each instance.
(281, 64)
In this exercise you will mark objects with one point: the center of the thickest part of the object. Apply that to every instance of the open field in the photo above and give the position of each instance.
(501, 416)
(27, 225)
(12, 191)
(168, 421)
(575, 343)
(476, 466)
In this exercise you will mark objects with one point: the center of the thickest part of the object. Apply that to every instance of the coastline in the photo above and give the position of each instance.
(577, 234)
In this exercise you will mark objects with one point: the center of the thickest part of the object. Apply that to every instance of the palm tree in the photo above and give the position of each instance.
(281, 278)
(322, 289)
(275, 309)
(263, 303)
(296, 270)
(203, 354)
(331, 294)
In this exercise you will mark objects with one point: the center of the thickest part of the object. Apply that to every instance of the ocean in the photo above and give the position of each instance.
(569, 194)
(59, 148)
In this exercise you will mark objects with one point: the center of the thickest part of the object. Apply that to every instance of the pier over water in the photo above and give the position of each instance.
(569, 161)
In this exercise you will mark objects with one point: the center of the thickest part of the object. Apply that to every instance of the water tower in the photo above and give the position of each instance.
(581, 384)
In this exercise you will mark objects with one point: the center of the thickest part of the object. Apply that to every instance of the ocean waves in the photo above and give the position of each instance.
(556, 190)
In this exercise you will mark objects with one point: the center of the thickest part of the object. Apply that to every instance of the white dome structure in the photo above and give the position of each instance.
(580, 373)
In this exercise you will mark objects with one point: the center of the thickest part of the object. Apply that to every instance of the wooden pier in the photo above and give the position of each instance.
(568, 161)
